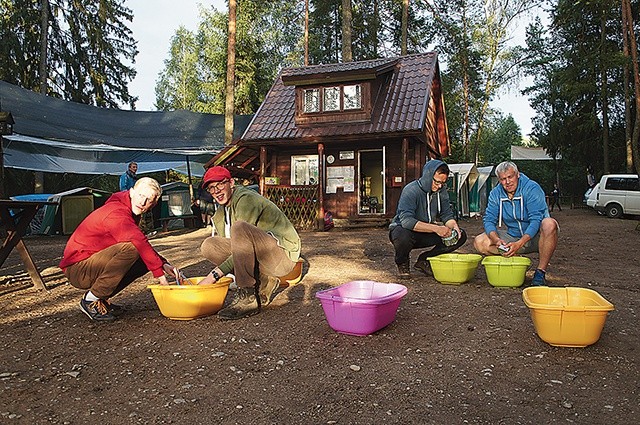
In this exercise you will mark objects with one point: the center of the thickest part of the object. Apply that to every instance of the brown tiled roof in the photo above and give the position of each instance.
(399, 108)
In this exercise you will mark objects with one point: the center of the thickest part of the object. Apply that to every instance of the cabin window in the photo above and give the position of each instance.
(312, 100)
(333, 99)
(304, 170)
(353, 97)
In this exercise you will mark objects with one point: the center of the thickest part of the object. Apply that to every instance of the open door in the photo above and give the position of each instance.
(371, 178)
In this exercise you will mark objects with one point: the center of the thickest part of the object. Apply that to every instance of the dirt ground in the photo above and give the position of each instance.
(454, 355)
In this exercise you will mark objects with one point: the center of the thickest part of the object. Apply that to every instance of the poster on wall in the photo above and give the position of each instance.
(343, 177)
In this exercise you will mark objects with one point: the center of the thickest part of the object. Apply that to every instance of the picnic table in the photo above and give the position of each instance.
(15, 217)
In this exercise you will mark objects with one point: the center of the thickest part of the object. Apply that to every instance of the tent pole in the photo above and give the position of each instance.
(189, 177)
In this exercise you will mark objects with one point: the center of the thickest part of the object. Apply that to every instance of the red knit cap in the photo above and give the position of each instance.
(215, 174)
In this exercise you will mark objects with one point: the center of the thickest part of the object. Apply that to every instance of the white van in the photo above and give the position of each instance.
(615, 195)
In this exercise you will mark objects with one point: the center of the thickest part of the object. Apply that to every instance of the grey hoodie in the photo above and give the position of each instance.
(418, 203)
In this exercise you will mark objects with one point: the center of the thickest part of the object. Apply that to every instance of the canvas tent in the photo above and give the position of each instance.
(466, 174)
(486, 181)
(53, 135)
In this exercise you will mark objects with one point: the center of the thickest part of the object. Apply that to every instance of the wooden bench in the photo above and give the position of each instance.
(188, 221)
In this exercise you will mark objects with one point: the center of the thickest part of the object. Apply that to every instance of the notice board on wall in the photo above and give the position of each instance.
(343, 177)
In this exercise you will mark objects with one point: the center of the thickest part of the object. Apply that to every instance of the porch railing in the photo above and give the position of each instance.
(298, 203)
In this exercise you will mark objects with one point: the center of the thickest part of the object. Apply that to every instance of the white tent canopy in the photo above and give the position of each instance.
(532, 154)
(466, 173)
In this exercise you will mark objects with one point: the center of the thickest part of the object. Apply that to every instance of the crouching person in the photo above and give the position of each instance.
(253, 239)
(424, 219)
(108, 250)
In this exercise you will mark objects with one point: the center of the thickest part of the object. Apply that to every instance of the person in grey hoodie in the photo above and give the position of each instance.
(424, 219)
(517, 221)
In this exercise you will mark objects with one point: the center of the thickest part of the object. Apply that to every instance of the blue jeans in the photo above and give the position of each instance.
(404, 241)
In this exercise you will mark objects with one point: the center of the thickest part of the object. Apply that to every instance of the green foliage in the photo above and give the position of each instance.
(88, 45)
(197, 62)
(567, 61)
(499, 135)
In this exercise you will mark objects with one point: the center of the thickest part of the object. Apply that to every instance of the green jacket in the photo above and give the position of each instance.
(248, 205)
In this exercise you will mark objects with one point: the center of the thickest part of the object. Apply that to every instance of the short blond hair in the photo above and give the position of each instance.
(149, 183)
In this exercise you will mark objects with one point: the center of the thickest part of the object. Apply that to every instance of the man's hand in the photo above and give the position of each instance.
(208, 280)
(443, 231)
(162, 280)
(513, 248)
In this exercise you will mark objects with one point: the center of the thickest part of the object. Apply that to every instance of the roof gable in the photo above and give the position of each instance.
(403, 89)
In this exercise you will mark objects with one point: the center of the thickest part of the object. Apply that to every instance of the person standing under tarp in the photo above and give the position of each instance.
(128, 179)
(205, 202)
(555, 197)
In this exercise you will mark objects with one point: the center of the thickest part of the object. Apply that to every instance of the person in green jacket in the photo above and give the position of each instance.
(253, 239)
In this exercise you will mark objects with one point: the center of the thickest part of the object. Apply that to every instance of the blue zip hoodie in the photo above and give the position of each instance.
(522, 214)
(418, 203)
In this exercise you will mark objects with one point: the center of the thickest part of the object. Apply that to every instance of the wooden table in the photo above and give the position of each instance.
(16, 226)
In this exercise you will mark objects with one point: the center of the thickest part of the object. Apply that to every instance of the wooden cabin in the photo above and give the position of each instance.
(344, 137)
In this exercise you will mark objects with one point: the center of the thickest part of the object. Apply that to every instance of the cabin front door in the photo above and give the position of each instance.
(371, 178)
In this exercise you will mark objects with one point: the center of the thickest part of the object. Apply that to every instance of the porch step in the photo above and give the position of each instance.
(352, 223)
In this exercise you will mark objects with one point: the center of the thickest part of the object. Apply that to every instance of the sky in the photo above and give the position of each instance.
(156, 21)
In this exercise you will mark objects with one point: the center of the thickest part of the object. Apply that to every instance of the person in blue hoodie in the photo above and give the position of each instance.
(424, 219)
(519, 204)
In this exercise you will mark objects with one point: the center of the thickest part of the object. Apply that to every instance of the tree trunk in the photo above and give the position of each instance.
(231, 74)
(405, 24)
(306, 32)
(627, 96)
(347, 53)
(629, 32)
(603, 96)
(44, 32)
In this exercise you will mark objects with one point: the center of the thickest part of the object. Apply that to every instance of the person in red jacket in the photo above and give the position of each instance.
(108, 250)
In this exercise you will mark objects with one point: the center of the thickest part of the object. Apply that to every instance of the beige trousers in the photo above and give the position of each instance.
(255, 253)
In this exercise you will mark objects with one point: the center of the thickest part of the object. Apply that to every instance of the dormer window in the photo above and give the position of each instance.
(333, 99)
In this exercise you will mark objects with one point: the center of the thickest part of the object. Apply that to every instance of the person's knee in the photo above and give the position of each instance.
(548, 227)
(481, 243)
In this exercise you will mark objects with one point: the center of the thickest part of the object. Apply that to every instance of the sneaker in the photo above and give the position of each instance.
(403, 270)
(538, 278)
(243, 304)
(114, 308)
(423, 266)
(268, 289)
(97, 310)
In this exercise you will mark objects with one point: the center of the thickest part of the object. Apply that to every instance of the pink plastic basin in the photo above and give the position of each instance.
(361, 307)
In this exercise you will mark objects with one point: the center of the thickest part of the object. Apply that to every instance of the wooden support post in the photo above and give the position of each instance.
(405, 159)
(263, 167)
(321, 170)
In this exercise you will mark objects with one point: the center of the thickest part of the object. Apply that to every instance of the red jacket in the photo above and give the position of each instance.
(110, 224)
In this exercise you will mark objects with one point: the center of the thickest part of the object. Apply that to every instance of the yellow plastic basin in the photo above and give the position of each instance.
(454, 269)
(186, 302)
(567, 317)
(506, 271)
(294, 275)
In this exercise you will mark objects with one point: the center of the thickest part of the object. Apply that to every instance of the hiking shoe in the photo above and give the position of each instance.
(97, 310)
(243, 304)
(403, 270)
(538, 278)
(423, 266)
(268, 288)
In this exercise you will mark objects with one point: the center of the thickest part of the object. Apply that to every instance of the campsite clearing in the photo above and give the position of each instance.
(455, 354)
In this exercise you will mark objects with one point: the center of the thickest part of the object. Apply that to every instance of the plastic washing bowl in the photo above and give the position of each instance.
(506, 271)
(567, 317)
(186, 302)
(361, 307)
(454, 269)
